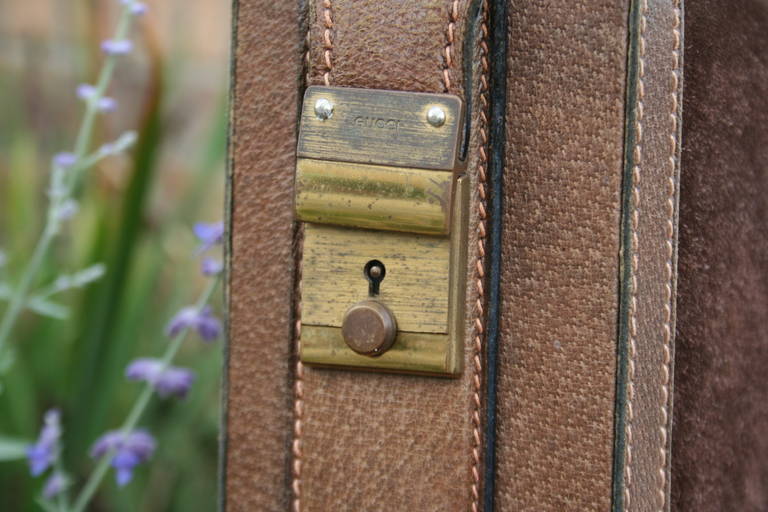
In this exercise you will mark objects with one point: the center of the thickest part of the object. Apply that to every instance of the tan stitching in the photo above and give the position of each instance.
(298, 404)
(635, 218)
(480, 267)
(298, 392)
(453, 16)
(327, 42)
(670, 228)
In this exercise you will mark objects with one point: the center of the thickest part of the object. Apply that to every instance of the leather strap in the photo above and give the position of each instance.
(560, 255)
(366, 441)
(651, 192)
(265, 95)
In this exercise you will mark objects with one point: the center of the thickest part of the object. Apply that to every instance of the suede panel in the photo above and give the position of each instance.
(720, 429)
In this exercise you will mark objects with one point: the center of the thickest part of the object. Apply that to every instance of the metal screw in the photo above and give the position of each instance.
(323, 109)
(375, 271)
(436, 117)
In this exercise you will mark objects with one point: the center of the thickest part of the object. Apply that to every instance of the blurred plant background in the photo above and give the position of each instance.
(135, 216)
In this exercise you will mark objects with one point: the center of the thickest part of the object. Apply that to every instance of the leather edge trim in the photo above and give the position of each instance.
(636, 350)
(221, 463)
(498, 102)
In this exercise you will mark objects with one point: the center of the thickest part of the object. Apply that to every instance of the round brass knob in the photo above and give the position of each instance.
(369, 328)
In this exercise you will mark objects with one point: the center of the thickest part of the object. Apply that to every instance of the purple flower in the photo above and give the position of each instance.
(64, 159)
(55, 484)
(86, 91)
(44, 452)
(207, 325)
(117, 46)
(174, 381)
(107, 104)
(67, 210)
(128, 450)
(209, 234)
(167, 380)
(137, 8)
(211, 267)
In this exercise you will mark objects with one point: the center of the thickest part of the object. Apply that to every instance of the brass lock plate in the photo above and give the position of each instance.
(390, 195)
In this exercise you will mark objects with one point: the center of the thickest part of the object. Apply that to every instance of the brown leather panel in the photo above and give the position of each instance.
(267, 54)
(379, 442)
(720, 433)
(560, 254)
(652, 188)
(386, 44)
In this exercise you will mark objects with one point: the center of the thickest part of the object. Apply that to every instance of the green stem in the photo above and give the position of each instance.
(132, 420)
(19, 297)
(105, 77)
(20, 294)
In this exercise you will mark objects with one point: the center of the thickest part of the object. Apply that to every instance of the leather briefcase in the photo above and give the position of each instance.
(498, 255)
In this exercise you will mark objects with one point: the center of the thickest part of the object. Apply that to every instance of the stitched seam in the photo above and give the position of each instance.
(453, 16)
(670, 227)
(298, 385)
(480, 266)
(327, 42)
(298, 404)
(635, 217)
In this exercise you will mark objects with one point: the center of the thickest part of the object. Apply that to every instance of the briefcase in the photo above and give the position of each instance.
(498, 255)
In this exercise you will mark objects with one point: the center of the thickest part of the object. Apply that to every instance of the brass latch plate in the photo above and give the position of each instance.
(381, 127)
(376, 182)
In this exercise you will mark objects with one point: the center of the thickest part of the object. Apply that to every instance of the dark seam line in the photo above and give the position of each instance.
(625, 261)
(473, 14)
(221, 462)
(498, 103)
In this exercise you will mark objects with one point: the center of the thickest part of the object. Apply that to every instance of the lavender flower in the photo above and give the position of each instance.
(137, 8)
(211, 267)
(167, 380)
(64, 160)
(86, 91)
(67, 210)
(107, 104)
(55, 484)
(44, 452)
(117, 46)
(209, 234)
(207, 325)
(128, 449)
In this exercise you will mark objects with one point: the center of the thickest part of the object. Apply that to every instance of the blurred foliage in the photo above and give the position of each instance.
(136, 216)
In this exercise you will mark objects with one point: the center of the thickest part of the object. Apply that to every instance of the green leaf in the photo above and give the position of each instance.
(47, 505)
(7, 358)
(47, 308)
(13, 449)
(39, 305)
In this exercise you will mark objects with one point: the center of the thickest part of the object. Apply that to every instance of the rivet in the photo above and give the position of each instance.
(436, 117)
(323, 109)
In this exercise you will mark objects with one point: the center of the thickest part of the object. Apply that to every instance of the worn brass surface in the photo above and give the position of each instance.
(381, 127)
(411, 352)
(433, 306)
(415, 287)
(373, 196)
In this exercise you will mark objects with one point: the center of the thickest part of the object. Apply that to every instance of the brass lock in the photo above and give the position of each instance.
(379, 187)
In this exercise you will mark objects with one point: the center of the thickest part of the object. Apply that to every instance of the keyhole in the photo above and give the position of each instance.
(374, 271)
